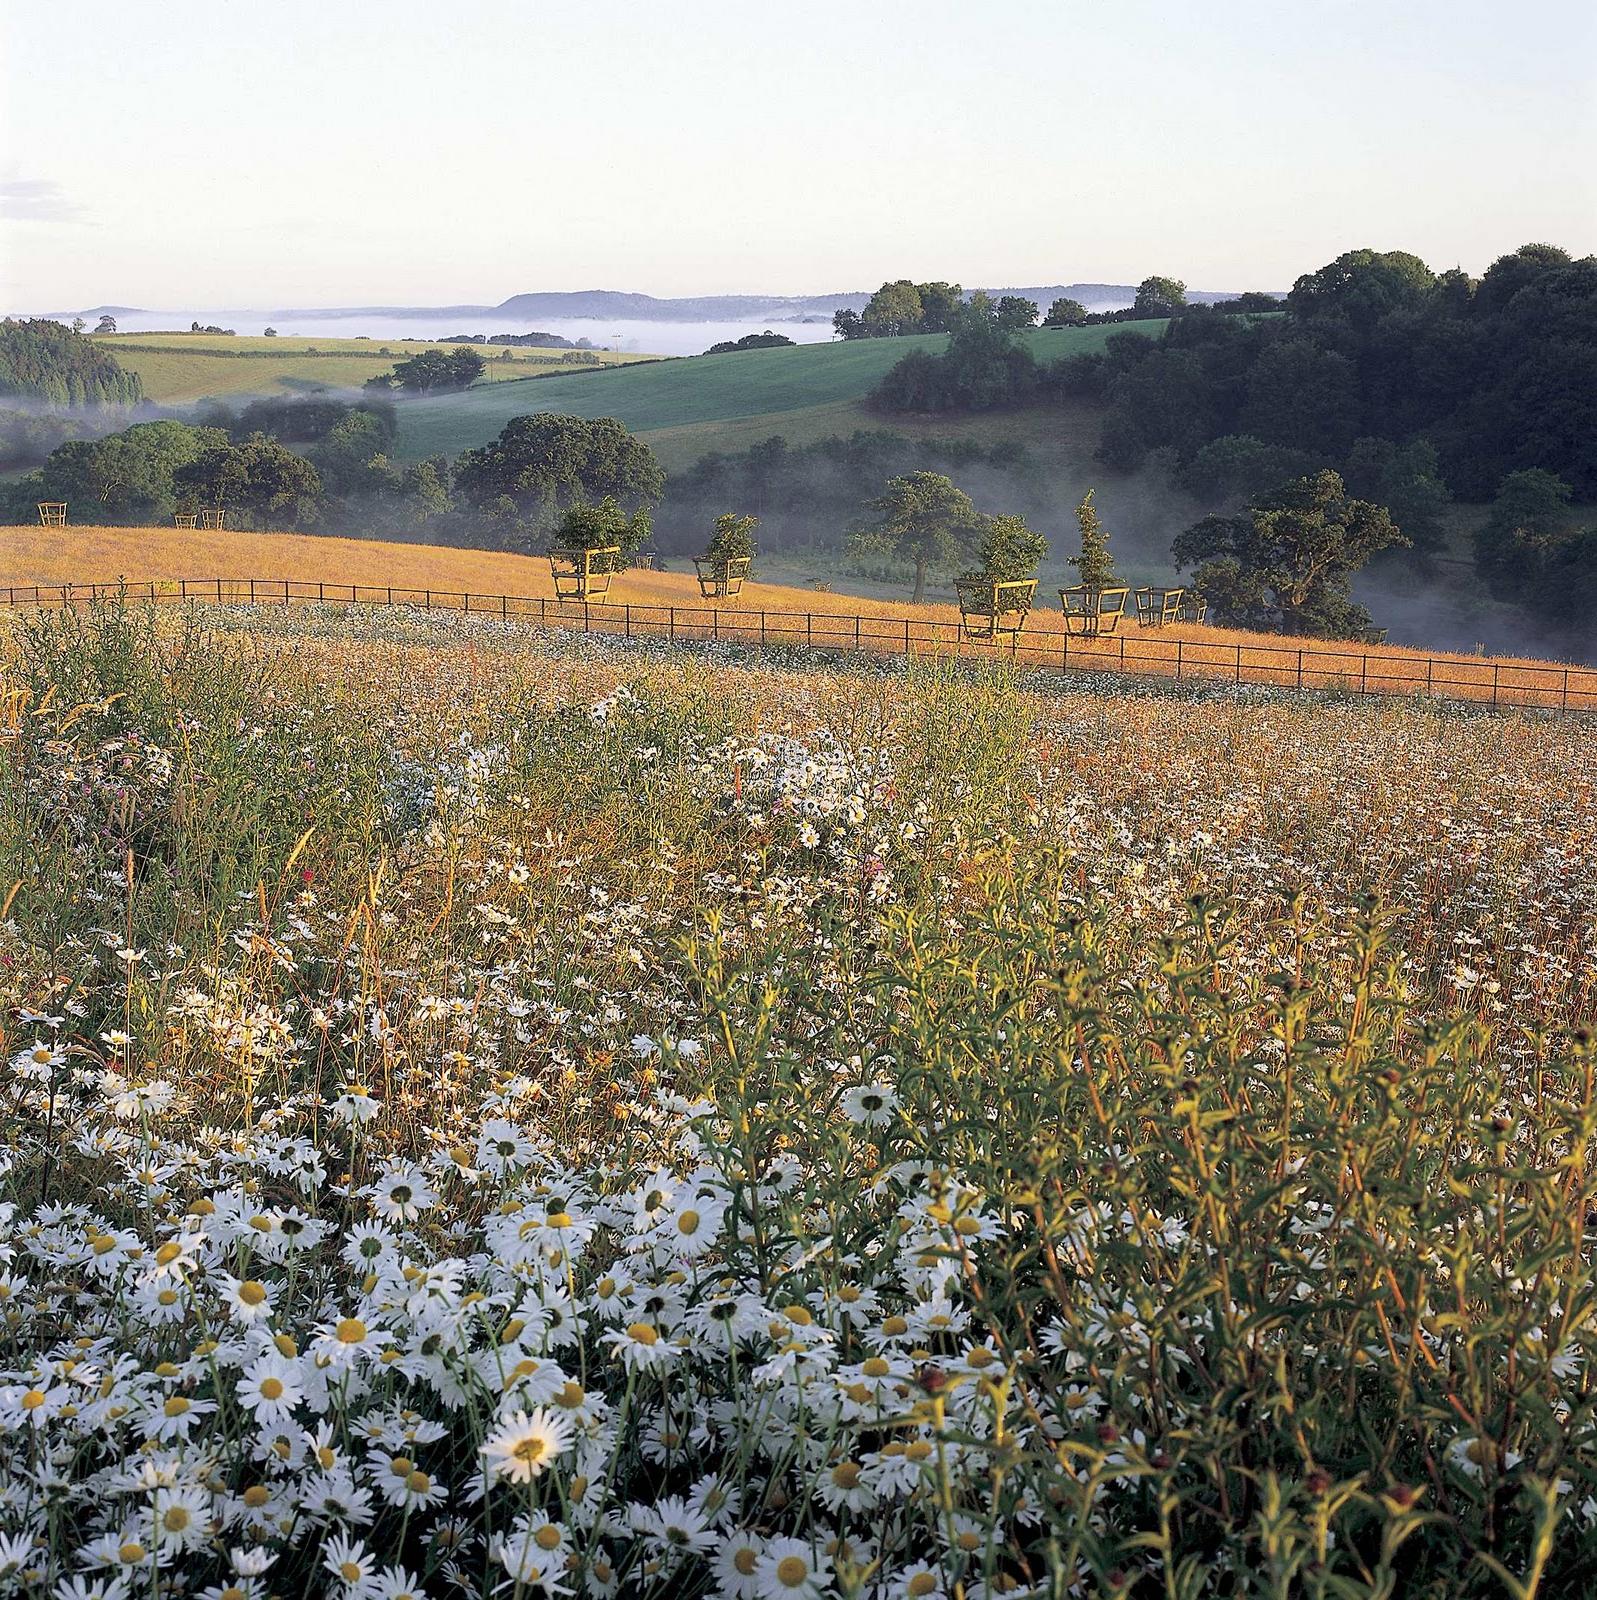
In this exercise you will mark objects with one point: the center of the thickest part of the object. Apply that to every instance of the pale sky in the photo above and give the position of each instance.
(267, 153)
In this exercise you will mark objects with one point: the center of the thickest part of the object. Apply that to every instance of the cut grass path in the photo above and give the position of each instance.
(86, 555)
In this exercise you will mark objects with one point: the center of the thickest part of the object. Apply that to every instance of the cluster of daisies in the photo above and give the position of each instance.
(482, 1359)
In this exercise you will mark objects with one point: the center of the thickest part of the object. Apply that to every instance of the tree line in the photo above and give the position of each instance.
(901, 307)
(51, 364)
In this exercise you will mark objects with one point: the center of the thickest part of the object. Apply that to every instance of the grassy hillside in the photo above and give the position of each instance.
(753, 387)
(180, 367)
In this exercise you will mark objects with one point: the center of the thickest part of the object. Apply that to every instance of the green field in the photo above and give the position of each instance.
(685, 405)
(179, 367)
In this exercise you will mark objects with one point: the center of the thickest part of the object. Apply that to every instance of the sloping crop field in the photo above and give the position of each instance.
(640, 1120)
(676, 394)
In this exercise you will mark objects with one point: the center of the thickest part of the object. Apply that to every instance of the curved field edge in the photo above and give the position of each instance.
(33, 555)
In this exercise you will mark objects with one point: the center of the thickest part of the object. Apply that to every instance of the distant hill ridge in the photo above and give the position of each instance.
(605, 305)
(612, 303)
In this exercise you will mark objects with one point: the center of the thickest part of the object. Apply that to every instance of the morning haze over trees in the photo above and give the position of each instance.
(1416, 390)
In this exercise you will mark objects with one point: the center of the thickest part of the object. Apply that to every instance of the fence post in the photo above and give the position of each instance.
(1430, 663)
(429, 594)
(762, 627)
(1239, 665)
(1178, 660)
(504, 608)
(1364, 673)
(809, 631)
(252, 591)
(1563, 701)
(219, 591)
(629, 619)
(671, 625)
(856, 630)
(1496, 666)
(1300, 669)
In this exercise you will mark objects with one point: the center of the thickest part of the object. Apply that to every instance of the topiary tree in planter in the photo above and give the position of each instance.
(725, 562)
(591, 544)
(1096, 603)
(996, 598)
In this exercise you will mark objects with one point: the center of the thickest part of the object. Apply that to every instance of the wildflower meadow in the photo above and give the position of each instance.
(498, 1114)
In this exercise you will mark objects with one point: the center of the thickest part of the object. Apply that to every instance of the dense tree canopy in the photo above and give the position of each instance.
(983, 368)
(902, 307)
(1363, 286)
(544, 463)
(1285, 564)
(124, 478)
(1159, 297)
(1065, 313)
(50, 362)
(749, 341)
(260, 483)
(1498, 377)
(433, 372)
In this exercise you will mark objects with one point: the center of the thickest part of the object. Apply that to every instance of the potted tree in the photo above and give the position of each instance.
(725, 562)
(995, 599)
(590, 545)
(1096, 603)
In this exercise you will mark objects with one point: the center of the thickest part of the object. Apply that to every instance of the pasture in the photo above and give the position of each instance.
(771, 389)
(652, 1122)
(176, 368)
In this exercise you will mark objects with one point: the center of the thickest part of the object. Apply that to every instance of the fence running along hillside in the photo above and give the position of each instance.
(1351, 669)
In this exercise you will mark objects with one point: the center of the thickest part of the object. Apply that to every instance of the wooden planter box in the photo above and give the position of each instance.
(185, 519)
(212, 517)
(721, 579)
(1092, 612)
(991, 608)
(583, 574)
(53, 513)
(1158, 608)
(1195, 608)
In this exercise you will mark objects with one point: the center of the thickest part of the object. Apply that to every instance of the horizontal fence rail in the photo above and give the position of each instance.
(1348, 670)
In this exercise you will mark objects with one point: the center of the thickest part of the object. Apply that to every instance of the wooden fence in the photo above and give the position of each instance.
(1352, 669)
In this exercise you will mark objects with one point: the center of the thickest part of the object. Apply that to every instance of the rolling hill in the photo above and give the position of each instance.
(779, 390)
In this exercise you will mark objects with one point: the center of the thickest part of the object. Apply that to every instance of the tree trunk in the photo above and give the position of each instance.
(920, 583)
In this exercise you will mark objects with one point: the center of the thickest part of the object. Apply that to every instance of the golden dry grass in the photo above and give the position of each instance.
(410, 572)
